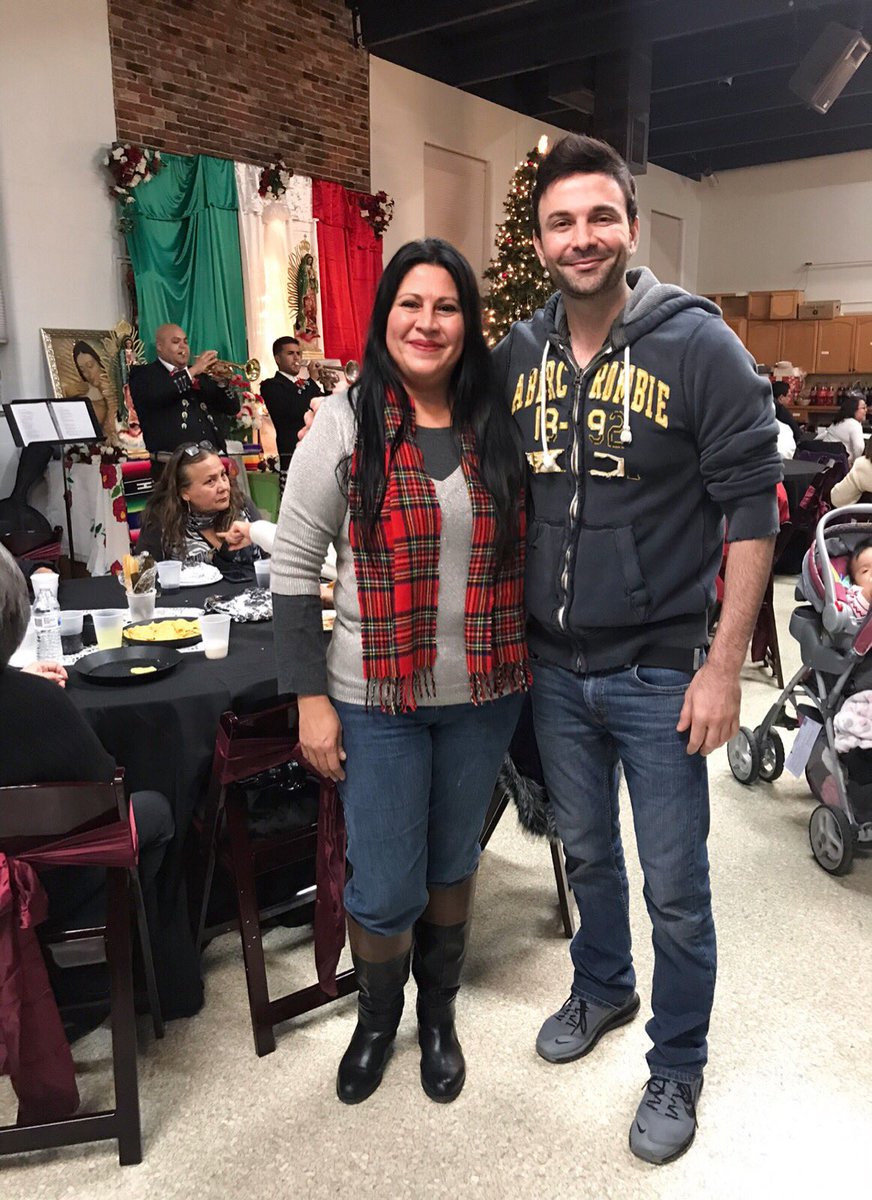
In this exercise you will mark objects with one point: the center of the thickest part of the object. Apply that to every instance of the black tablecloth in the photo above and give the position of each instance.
(797, 477)
(162, 731)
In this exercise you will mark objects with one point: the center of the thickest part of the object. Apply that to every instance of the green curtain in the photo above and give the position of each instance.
(184, 249)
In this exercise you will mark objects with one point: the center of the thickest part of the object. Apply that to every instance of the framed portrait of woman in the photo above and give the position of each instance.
(93, 363)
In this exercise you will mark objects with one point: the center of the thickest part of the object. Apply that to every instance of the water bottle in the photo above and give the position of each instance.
(47, 620)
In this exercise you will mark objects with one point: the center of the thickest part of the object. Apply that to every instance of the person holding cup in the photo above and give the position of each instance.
(193, 504)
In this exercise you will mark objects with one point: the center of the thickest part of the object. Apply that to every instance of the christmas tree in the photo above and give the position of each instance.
(519, 285)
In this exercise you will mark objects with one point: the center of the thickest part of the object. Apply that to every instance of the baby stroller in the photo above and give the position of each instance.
(834, 645)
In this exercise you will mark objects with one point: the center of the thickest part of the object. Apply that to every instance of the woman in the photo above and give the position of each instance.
(848, 426)
(857, 483)
(415, 474)
(193, 503)
(90, 367)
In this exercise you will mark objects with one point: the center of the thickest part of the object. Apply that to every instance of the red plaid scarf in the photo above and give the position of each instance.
(398, 582)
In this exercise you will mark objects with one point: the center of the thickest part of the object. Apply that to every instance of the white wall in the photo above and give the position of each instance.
(58, 249)
(761, 224)
(408, 110)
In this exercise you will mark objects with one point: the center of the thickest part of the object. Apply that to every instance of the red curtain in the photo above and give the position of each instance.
(350, 268)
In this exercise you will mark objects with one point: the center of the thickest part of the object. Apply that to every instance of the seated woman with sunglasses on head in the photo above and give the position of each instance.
(193, 504)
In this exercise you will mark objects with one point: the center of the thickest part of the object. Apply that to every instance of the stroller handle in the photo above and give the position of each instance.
(830, 613)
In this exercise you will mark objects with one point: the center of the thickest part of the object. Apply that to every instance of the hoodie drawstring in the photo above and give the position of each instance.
(626, 431)
(548, 459)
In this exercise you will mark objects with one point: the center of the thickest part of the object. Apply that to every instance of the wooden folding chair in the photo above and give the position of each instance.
(246, 745)
(499, 802)
(43, 815)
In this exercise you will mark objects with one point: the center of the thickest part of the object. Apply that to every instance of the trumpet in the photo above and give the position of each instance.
(222, 369)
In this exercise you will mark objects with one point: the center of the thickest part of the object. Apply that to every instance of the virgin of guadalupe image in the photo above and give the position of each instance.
(303, 294)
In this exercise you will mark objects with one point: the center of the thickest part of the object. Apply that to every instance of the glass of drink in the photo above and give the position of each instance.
(108, 623)
(215, 632)
(140, 605)
(261, 572)
(71, 631)
(169, 573)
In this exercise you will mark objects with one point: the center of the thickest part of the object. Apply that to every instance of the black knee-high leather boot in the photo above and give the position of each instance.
(382, 968)
(437, 963)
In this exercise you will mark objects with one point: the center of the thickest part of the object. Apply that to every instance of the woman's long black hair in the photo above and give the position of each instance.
(476, 402)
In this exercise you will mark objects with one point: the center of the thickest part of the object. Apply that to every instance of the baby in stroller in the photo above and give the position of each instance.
(832, 688)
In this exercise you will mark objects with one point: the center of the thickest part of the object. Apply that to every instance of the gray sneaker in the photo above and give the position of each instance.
(578, 1026)
(665, 1122)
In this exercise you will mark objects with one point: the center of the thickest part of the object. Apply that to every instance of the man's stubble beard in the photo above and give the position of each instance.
(612, 279)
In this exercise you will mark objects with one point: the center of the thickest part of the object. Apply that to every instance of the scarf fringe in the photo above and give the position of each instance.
(506, 676)
(401, 693)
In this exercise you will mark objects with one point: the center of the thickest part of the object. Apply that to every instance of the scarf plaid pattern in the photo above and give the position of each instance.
(398, 583)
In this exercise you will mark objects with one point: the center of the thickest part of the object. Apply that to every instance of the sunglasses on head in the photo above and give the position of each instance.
(196, 448)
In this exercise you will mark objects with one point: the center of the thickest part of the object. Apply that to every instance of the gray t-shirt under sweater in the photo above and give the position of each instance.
(314, 512)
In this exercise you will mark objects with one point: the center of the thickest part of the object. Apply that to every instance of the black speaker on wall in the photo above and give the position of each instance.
(825, 71)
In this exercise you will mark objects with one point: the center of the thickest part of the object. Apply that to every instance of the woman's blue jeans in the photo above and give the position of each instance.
(585, 726)
(417, 787)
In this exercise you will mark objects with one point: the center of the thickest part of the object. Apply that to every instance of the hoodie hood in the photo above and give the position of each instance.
(650, 304)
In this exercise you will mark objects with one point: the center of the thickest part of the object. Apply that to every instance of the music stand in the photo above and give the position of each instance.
(58, 423)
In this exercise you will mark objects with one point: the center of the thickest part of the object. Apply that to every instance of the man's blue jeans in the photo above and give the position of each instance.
(585, 726)
(416, 789)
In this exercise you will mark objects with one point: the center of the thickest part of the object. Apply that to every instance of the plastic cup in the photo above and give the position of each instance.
(108, 623)
(71, 631)
(140, 605)
(44, 581)
(169, 573)
(215, 632)
(261, 572)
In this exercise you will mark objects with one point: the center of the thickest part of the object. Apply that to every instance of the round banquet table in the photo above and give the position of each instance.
(162, 731)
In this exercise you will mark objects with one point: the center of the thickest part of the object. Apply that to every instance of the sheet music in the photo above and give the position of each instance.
(73, 421)
(34, 422)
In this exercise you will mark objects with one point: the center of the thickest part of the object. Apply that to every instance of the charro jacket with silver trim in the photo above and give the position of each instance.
(626, 532)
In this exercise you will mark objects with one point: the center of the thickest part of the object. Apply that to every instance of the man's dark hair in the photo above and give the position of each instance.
(780, 388)
(577, 154)
(284, 341)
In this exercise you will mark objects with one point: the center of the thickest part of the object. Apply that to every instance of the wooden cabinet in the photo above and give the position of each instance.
(799, 344)
(835, 349)
(764, 338)
(863, 344)
(782, 305)
(758, 306)
(739, 326)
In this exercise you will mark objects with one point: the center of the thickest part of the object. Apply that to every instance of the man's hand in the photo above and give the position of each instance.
(314, 371)
(238, 535)
(49, 670)
(309, 416)
(321, 735)
(711, 709)
(202, 362)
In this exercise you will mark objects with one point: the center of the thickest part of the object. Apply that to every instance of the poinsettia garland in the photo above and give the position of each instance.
(250, 409)
(378, 210)
(274, 179)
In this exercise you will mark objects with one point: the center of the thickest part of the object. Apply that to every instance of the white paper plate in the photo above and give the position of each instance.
(200, 575)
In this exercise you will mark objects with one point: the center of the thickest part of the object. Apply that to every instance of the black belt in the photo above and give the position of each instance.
(671, 658)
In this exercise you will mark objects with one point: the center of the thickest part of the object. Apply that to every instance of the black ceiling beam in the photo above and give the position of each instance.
(497, 55)
(383, 23)
(818, 145)
(780, 124)
(760, 93)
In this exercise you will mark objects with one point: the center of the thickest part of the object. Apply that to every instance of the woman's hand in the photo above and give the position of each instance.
(49, 670)
(321, 736)
(237, 536)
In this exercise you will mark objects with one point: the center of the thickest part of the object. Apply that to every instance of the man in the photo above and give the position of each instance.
(176, 402)
(780, 392)
(287, 397)
(644, 424)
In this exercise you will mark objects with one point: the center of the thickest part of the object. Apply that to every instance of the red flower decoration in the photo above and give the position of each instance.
(115, 569)
(108, 476)
(119, 509)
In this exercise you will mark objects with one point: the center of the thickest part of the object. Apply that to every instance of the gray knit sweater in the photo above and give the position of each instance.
(314, 512)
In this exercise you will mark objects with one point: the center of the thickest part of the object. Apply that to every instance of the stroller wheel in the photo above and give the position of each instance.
(771, 755)
(743, 755)
(832, 839)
